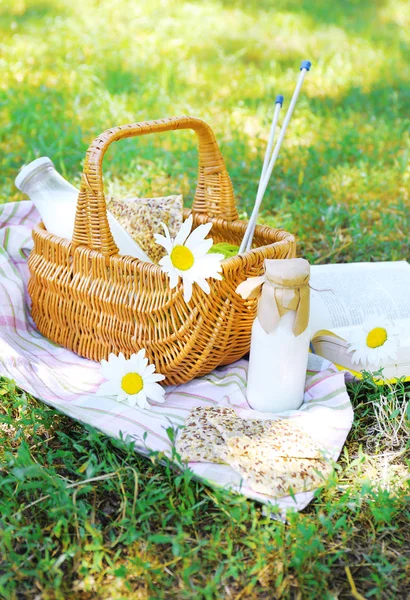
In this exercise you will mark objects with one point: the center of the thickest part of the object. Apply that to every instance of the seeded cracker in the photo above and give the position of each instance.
(280, 476)
(142, 218)
(266, 461)
(280, 438)
(200, 440)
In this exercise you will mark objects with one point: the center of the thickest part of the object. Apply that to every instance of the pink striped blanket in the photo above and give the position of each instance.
(69, 383)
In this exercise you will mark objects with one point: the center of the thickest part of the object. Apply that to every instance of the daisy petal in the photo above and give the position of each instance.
(163, 241)
(214, 259)
(166, 264)
(108, 388)
(173, 279)
(187, 290)
(155, 392)
(166, 231)
(142, 399)
(132, 400)
(154, 378)
(217, 276)
(202, 248)
(109, 370)
(184, 232)
(149, 370)
(198, 235)
(203, 284)
(210, 263)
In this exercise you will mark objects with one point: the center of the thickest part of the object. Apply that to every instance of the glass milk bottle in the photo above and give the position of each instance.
(280, 335)
(56, 201)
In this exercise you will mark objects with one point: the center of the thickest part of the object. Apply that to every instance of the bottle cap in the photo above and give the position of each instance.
(29, 170)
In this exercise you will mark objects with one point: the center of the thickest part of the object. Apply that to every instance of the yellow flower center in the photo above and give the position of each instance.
(132, 383)
(182, 258)
(376, 337)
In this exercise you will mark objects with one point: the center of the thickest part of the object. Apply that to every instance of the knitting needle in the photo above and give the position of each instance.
(305, 66)
(248, 237)
(278, 106)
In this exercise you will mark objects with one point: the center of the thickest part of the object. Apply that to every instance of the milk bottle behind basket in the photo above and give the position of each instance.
(56, 201)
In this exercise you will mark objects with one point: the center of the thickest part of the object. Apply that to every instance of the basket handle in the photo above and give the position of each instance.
(214, 193)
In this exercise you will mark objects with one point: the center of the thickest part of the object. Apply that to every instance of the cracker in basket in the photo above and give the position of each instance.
(273, 437)
(280, 476)
(200, 440)
(142, 218)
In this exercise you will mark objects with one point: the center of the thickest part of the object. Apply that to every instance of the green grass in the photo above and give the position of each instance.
(72, 69)
(81, 515)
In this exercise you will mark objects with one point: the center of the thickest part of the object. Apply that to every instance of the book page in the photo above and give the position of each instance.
(351, 292)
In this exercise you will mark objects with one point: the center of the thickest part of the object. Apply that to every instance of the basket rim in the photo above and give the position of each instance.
(228, 264)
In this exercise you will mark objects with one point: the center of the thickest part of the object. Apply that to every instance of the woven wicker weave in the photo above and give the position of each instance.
(88, 298)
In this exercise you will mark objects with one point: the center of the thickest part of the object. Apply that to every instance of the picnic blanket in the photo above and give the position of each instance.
(69, 383)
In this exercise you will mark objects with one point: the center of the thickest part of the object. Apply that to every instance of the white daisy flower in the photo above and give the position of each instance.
(375, 343)
(132, 381)
(187, 257)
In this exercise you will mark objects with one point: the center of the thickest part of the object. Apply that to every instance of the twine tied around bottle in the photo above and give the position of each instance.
(283, 287)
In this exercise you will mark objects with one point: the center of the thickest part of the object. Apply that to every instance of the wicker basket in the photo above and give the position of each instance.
(88, 298)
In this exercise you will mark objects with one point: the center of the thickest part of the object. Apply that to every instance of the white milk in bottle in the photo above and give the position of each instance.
(280, 335)
(56, 201)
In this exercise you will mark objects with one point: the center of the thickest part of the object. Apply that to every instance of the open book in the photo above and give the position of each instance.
(348, 294)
